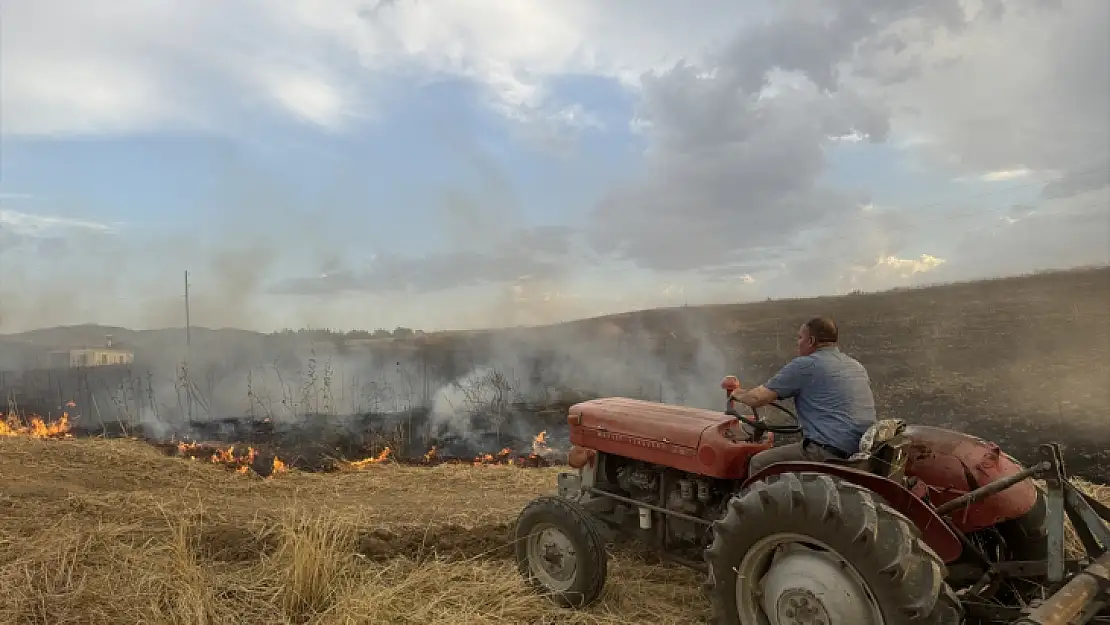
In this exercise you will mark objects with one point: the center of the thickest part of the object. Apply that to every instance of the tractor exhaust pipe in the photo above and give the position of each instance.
(1071, 605)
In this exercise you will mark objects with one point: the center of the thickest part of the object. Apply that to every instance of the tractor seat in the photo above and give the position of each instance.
(853, 462)
(881, 450)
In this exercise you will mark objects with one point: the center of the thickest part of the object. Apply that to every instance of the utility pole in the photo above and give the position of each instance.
(187, 325)
(185, 368)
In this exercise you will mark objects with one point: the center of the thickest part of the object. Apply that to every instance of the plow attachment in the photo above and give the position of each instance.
(1076, 591)
(1078, 602)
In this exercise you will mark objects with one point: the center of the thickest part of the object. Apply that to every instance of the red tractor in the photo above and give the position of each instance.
(924, 526)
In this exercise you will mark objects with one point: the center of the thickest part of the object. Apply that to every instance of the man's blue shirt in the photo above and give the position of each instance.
(832, 396)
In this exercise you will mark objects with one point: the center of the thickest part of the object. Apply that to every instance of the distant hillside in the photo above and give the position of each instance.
(90, 334)
(1078, 287)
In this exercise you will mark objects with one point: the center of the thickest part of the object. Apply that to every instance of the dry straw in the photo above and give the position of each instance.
(112, 532)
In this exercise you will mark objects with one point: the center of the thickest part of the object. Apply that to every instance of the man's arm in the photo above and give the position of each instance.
(786, 383)
(756, 397)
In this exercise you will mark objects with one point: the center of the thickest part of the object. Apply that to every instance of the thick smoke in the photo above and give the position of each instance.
(469, 384)
(560, 364)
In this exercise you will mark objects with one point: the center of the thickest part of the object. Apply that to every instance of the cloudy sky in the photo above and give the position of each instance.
(434, 163)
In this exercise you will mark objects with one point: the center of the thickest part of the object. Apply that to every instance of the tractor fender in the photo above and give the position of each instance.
(934, 531)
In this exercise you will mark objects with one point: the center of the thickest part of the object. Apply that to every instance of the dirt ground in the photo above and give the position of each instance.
(114, 532)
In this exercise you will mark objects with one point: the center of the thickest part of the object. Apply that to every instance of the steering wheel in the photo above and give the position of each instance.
(760, 425)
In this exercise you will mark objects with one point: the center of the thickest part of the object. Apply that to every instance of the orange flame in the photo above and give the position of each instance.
(365, 462)
(38, 427)
(227, 456)
(539, 444)
(503, 457)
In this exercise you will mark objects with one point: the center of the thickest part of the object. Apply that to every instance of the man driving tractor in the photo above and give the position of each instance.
(832, 398)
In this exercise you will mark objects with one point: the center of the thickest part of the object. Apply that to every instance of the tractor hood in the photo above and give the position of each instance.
(620, 416)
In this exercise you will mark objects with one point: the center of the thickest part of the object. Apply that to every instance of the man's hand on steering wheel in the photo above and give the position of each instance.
(731, 385)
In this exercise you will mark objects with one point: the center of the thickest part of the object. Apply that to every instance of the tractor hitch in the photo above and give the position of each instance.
(1087, 593)
(1080, 589)
(1080, 599)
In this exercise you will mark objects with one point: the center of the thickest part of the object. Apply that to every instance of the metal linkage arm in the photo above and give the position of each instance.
(1087, 592)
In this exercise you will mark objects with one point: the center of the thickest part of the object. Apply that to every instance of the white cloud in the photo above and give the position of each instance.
(310, 98)
(74, 68)
(906, 267)
(576, 116)
(990, 97)
(737, 104)
(852, 137)
(670, 291)
(1005, 174)
(887, 272)
(32, 225)
(51, 96)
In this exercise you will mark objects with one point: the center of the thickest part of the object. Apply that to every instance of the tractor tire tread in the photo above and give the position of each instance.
(907, 577)
(579, 527)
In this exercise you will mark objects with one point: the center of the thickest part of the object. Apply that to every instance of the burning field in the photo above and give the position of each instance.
(272, 452)
(35, 427)
(245, 458)
(114, 531)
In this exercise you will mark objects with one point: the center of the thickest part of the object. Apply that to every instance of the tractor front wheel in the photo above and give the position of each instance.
(559, 551)
(809, 548)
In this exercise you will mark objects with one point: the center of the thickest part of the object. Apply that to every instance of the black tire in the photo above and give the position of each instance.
(905, 577)
(1026, 537)
(590, 558)
(1023, 539)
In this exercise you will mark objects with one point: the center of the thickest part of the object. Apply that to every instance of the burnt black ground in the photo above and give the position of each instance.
(323, 442)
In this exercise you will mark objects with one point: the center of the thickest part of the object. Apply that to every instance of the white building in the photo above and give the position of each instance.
(91, 356)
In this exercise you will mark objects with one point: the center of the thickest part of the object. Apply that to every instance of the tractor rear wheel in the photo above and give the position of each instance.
(559, 551)
(810, 548)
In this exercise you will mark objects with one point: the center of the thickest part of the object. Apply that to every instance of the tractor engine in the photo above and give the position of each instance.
(677, 491)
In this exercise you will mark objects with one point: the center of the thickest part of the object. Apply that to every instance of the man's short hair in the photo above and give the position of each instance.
(823, 330)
